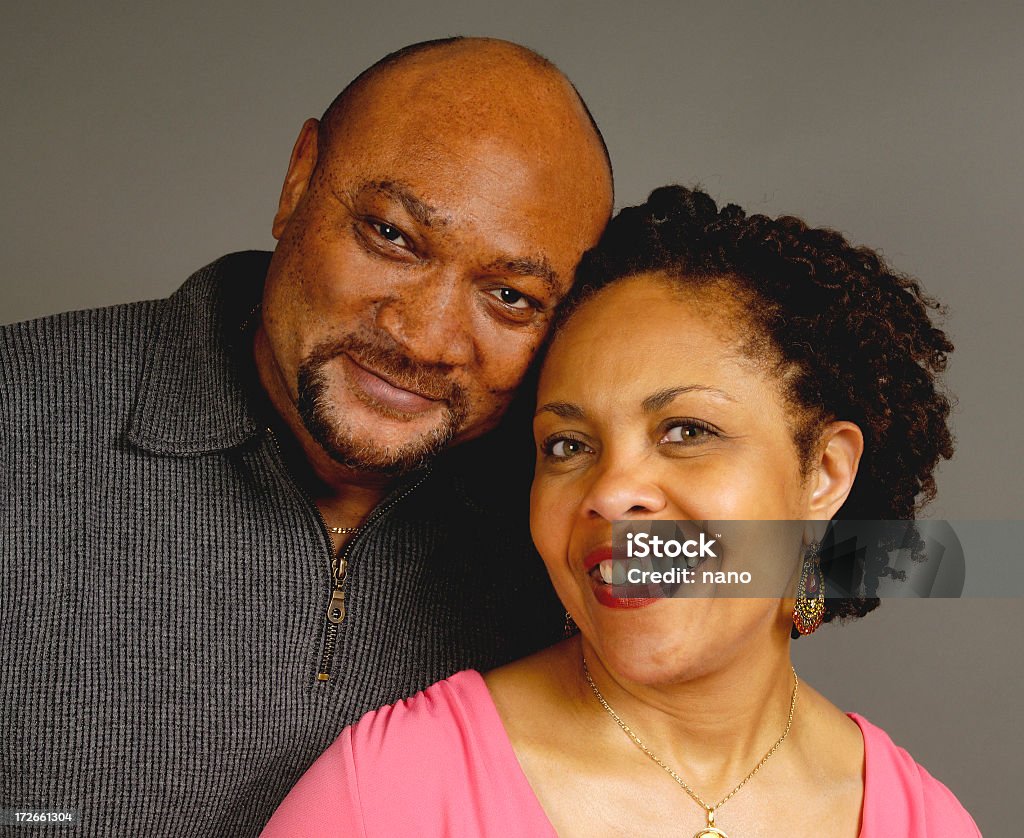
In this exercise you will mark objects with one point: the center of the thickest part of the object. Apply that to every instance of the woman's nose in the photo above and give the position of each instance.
(623, 491)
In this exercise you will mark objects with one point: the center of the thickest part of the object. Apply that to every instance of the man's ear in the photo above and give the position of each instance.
(300, 169)
(839, 450)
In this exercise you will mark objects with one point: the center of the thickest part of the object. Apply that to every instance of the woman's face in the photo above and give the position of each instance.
(647, 409)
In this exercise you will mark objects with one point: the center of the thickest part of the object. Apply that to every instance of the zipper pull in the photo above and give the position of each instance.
(336, 609)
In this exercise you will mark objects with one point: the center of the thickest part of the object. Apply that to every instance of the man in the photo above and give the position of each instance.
(236, 519)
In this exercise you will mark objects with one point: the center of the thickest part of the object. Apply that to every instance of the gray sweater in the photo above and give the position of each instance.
(164, 581)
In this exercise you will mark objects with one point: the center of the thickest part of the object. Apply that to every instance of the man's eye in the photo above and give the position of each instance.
(513, 298)
(392, 234)
(687, 432)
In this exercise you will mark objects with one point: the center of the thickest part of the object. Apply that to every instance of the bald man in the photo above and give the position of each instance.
(236, 519)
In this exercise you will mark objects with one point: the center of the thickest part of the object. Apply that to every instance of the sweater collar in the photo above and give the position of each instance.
(197, 393)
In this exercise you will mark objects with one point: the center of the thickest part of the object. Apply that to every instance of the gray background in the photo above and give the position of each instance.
(142, 141)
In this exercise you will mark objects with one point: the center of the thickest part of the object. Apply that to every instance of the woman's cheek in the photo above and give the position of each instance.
(550, 523)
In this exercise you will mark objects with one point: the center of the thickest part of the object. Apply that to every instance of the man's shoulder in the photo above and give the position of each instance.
(49, 334)
(77, 346)
(111, 344)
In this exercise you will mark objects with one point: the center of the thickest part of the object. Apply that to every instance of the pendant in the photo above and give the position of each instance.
(711, 831)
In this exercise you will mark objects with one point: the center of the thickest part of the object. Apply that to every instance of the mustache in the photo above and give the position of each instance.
(387, 360)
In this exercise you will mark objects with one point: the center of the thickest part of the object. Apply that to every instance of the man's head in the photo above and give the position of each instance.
(427, 227)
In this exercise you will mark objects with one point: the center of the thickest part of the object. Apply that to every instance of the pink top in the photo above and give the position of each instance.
(441, 764)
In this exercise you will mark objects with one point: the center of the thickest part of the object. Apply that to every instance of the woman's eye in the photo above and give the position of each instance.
(392, 234)
(687, 432)
(512, 298)
(564, 448)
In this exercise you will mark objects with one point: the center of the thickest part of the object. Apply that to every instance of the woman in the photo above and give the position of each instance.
(709, 366)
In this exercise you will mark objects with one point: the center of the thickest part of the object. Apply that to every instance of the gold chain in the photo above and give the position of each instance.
(342, 530)
(709, 810)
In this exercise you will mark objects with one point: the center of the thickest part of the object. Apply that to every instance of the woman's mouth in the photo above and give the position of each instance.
(605, 574)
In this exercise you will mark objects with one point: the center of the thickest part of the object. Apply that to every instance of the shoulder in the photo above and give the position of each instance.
(119, 334)
(438, 763)
(453, 724)
(436, 717)
(901, 797)
(73, 359)
(50, 338)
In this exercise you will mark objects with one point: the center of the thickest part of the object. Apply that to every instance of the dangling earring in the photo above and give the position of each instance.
(809, 610)
(570, 626)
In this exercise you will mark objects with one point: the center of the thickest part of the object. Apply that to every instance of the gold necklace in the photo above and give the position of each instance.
(710, 831)
(342, 530)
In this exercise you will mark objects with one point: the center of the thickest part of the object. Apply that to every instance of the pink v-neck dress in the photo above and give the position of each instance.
(440, 764)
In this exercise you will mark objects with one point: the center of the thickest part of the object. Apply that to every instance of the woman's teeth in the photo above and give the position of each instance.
(613, 571)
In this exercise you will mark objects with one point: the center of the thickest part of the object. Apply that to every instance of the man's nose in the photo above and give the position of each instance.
(431, 319)
(623, 490)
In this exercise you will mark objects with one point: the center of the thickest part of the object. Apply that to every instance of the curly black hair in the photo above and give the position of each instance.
(851, 338)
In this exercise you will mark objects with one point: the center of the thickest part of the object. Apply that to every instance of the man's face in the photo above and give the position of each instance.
(415, 277)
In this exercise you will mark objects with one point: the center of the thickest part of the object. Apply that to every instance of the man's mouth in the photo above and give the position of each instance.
(384, 390)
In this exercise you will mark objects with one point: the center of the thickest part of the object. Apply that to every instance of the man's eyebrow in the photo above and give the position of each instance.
(663, 398)
(428, 216)
(419, 209)
(565, 410)
(526, 266)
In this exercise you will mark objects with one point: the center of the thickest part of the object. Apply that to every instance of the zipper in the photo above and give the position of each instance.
(336, 607)
(339, 563)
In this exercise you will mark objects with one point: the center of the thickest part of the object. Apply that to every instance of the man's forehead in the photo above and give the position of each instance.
(470, 116)
(476, 72)
(459, 96)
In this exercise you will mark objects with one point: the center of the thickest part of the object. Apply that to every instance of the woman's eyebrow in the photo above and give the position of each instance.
(565, 410)
(662, 398)
(653, 403)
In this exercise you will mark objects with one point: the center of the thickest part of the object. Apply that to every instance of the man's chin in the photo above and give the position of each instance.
(389, 454)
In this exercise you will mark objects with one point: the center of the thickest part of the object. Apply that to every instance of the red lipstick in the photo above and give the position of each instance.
(601, 589)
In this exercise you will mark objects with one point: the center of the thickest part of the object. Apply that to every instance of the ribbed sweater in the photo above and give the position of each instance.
(164, 580)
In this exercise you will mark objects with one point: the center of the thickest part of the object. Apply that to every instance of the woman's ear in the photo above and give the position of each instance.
(839, 450)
